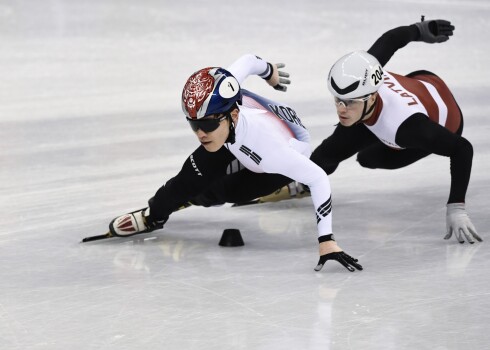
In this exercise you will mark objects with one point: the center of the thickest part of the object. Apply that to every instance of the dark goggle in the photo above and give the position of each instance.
(206, 125)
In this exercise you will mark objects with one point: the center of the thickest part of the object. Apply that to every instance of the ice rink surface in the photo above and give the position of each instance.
(91, 127)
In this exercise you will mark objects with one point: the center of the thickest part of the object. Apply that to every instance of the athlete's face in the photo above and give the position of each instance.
(212, 141)
(350, 111)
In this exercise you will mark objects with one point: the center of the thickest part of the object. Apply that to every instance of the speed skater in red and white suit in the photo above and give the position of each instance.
(391, 120)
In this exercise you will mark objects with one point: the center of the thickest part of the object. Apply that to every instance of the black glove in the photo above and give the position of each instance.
(435, 31)
(342, 257)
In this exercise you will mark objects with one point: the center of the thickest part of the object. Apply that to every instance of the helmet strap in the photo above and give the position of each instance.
(231, 135)
(366, 112)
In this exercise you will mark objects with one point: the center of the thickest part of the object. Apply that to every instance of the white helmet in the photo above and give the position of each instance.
(355, 75)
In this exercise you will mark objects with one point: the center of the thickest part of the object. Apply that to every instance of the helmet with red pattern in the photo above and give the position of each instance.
(211, 90)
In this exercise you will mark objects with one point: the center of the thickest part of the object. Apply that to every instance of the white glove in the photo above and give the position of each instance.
(278, 78)
(458, 221)
(135, 222)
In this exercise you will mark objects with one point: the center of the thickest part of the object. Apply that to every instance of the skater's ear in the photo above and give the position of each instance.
(234, 115)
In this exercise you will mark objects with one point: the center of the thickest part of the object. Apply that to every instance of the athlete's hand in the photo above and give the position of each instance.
(459, 223)
(435, 31)
(278, 78)
(331, 251)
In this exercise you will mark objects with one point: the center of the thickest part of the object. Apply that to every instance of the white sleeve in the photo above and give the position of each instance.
(288, 162)
(248, 65)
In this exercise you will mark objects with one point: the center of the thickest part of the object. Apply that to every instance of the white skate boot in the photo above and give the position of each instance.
(133, 223)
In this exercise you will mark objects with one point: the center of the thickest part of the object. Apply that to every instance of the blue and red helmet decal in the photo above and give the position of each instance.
(211, 90)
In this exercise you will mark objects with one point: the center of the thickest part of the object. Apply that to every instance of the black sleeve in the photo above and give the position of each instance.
(386, 46)
(418, 131)
(200, 170)
(342, 144)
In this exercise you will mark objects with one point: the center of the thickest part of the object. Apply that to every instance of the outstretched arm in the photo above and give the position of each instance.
(391, 41)
(419, 131)
(253, 65)
(434, 31)
(291, 162)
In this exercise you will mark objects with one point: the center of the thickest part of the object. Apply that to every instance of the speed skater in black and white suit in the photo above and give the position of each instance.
(264, 139)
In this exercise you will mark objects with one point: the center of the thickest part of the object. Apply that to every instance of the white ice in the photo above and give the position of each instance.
(91, 127)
